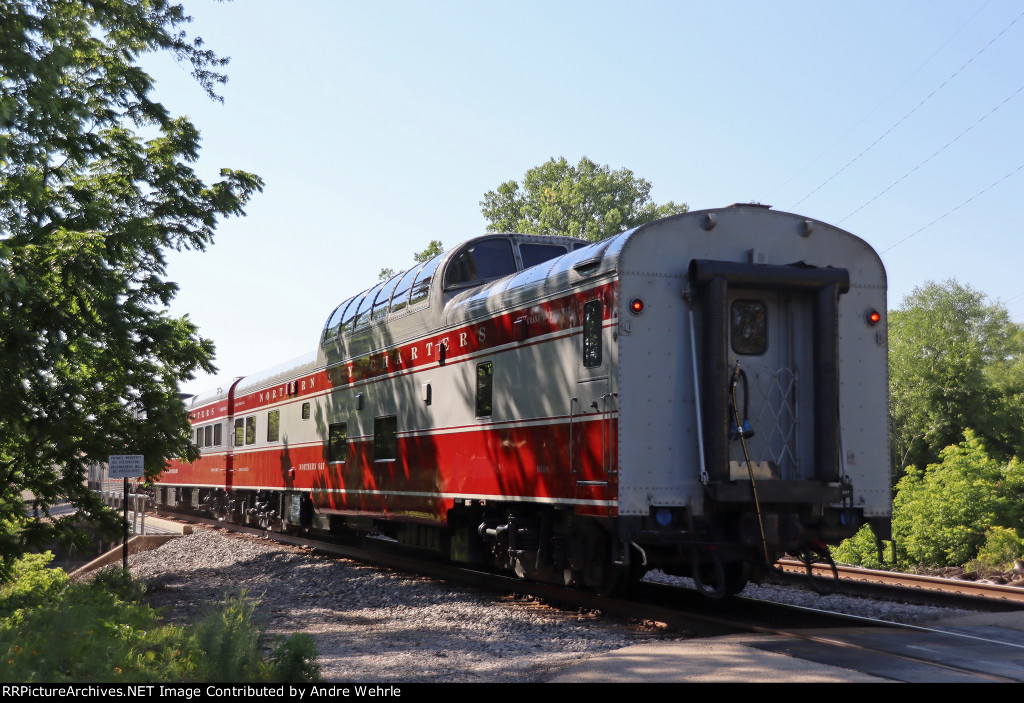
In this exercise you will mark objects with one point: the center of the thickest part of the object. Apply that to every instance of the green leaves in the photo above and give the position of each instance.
(586, 200)
(943, 515)
(955, 362)
(90, 361)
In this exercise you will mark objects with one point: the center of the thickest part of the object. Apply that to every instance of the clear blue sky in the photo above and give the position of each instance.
(378, 126)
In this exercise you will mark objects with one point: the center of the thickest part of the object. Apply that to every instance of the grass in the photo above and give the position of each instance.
(53, 630)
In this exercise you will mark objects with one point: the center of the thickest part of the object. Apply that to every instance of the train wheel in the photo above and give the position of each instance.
(716, 579)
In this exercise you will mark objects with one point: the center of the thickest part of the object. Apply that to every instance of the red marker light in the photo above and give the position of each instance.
(636, 306)
(873, 317)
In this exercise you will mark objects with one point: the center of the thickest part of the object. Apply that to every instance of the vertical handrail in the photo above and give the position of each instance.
(696, 400)
(606, 424)
(572, 443)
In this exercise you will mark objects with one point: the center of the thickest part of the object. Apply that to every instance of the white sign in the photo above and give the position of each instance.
(126, 465)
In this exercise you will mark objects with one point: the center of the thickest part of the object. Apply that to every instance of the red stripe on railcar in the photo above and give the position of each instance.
(432, 471)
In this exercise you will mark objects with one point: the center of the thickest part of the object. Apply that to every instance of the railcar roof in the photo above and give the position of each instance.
(206, 397)
(550, 276)
(281, 372)
(407, 283)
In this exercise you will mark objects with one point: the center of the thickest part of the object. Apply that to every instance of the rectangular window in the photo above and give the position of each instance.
(273, 425)
(593, 312)
(218, 434)
(337, 442)
(484, 389)
(305, 411)
(239, 432)
(385, 438)
(749, 327)
(208, 441)
(199, 437)
(250, 430)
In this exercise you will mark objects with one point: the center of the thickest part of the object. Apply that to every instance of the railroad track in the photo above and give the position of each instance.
(926, 589)
(851, 580)
(881, 648)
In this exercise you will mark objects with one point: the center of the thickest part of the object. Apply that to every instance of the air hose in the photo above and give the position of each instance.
(742, 431)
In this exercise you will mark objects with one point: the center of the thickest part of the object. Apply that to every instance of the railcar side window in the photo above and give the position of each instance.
(479, 262)
(337, 442)
(239, 432)
(362, 318)
(305, 411)
(350, 312)
(199, 437)
(208, 440)
(593, 312)
(385, 438)
(218, 434)
(400, 298)
(250, 430)
(484, 389)
(334, 324)
(273, 425)
(749, 323)
(533, 254)
(380, 303)
(421, 288)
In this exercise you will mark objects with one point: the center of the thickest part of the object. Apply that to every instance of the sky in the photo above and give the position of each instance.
(379, 126)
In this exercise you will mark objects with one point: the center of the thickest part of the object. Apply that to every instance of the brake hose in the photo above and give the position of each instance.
(741, 430)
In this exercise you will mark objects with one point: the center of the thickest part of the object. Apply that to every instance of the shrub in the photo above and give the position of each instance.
(941, 515)
(1002, 546)
(861, 550)
(55, 631)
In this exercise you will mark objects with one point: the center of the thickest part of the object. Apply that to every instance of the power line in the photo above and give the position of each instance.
(912, 111)
(948, 144)
(940, 217)
(881, 102)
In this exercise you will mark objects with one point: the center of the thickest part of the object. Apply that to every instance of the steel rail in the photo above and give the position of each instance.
(680, 608)
(931, 588)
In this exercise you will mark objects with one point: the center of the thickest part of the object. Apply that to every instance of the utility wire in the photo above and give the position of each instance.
(880, 103)
(912, 111)
(948, 144)
(940, 217)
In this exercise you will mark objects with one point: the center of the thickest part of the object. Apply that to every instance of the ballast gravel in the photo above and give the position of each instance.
(374, 625)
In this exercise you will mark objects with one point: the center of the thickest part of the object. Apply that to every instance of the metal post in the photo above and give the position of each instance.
(124, 549)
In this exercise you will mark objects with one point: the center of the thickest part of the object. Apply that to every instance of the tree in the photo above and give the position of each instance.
(586, 200)
(956, 362)
(90, 361)
(433, 249)
(943, 515)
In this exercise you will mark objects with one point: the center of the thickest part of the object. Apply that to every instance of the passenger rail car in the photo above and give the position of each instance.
(699, 394)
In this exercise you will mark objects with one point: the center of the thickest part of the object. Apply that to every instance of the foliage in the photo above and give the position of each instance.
(586, 200)
(955, 363)
(944, 514)
(433, 249)
(1003, 546)
(294, 660)
(101, 631)
(90, 362)
(32, 583)
(861, 550)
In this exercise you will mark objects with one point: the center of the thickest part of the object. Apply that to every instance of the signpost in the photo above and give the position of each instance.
(125, 466)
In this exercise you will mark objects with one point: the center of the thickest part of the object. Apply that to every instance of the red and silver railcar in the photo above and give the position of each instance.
(699, 394)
